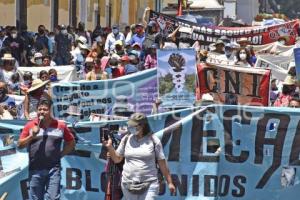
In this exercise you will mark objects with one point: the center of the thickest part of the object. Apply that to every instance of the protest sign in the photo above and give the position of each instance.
(176, 75)
(207, 35)
(65, 73)
(278, 73)
(297, 62)
(99, 97)
(218, 152)
(235, 85)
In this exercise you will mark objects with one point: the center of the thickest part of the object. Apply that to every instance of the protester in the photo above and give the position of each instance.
(42, 41)
(27, 81)
(43, 75)
(243, 42)
(294, 103)
(139, 36)
(47, 61)
(14, 44)
(84, 33)
(7, 103)
(43, 137)
(34, 94)
(97, 73)
(63, 46)
(141, 150)
(130, 34)
(243, 58)
(112, 38)
(229, 54)
(288, 91)
(53, 76)
(37, 59)
(9, 67)
(219, 48)
(151, 59)
(2, 37)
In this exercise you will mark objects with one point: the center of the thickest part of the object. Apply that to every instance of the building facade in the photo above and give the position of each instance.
(247, 10)
(53, 12)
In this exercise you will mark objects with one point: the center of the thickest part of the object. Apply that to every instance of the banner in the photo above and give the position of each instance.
(176, 75)
(297, 62)
(217, 152)
(235, 85)
(64, 73)
(207, 35)
(138, 91)
(277, 72)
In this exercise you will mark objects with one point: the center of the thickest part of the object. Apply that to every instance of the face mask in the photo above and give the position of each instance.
(228, 53)
(52, 39)
(14, 35)
(115, 31)
(53, 78)
(27, 83)
(98, 39)
(64, 32)
(132, 130)
(243, 56)
(39, 61)
(41, 31)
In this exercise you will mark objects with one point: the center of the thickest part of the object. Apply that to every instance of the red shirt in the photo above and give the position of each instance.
(45, 150)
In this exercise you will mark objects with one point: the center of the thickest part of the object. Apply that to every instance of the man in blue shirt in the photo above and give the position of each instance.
(139, 35)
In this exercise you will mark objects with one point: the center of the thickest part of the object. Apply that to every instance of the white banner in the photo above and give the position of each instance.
(65, 73)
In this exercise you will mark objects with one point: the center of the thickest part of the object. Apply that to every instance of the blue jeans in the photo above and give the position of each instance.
(44, 184)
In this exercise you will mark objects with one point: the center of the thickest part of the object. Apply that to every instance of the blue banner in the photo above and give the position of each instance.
(297, 62)
(216, 152)
(100, 97)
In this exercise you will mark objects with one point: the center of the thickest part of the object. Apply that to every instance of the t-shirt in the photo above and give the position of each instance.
(45, 150)
(140, 163)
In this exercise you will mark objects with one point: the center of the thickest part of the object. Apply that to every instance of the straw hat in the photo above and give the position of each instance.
(289, 80)
(83, 46)
(82, 40)
(36, 84)
(243, 39)
(7, 56)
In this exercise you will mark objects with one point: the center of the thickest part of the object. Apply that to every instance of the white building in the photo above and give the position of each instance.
(230, 9)
(247, 10)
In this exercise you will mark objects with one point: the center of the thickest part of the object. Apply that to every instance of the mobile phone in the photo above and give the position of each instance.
(105, 133)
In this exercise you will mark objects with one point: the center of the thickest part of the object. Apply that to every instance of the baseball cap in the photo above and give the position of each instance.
(137, 119)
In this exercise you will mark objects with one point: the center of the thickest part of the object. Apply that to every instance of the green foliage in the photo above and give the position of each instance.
(190, 82)
(165, 84)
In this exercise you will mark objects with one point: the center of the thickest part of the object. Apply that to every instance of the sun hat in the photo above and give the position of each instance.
(7, 56)
(36, 84)
(35, 56)
(243, 39)
(289, 80)
(82, 40)
(83, 46)
(137, 119)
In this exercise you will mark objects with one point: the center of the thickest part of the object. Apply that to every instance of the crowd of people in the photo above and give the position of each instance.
(107, 53)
